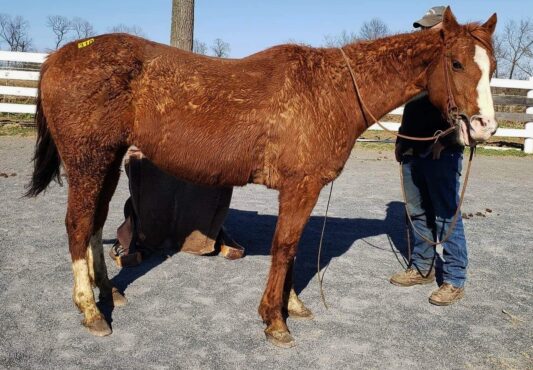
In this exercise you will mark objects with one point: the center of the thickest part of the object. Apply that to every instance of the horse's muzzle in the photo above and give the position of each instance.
(477, 129)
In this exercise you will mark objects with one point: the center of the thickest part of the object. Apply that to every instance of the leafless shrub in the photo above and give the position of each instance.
(220, 48)
(60, 26)
(14, 31)
(373, 29)
(514, 50)
(82, 28)
(132, 30)
(199, 47)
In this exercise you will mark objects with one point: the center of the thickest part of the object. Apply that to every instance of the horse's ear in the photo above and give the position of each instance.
(449, 23)
(490, 24)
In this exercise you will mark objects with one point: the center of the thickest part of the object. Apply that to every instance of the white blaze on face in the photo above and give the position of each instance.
(484, 96)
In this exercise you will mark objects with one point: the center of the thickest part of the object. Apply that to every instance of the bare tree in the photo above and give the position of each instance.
(199, 47)
(500, 53)
(60, 26)
(132, 30)
(220, 48)
(182, 26)
(514, 49)
(373, 29)
(82, 28)
(344, 38)
(14, 32)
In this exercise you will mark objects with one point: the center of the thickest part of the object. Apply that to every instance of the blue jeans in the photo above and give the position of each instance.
(432, 192)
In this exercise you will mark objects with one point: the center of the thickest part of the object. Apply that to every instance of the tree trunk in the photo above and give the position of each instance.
(181, 31)
(511, 71)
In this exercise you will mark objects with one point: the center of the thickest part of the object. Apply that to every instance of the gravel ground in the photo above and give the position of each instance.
(201, 312)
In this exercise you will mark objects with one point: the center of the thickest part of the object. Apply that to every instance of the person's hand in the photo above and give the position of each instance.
(436, 149)
(398, 152)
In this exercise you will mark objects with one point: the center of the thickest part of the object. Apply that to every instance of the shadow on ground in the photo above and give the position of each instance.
(254, 231)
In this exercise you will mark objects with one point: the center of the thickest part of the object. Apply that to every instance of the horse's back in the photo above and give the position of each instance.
(85, 85)
(205, 119)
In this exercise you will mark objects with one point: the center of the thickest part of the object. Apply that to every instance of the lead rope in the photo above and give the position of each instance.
(364, 108)
(435, 137)
(454, 220)
(457, 211)
(321, 278)
(452, 108)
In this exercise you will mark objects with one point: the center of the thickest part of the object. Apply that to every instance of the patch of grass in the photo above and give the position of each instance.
(16, 130)
(501, 153)
(511, 124)
(21, 83)
(385, 147)
(15, 117)
(388, 148)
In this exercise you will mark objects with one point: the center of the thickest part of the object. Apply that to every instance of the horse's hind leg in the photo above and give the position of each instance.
(296, 203)
(80, 215)
(86, 181)
(95, 251)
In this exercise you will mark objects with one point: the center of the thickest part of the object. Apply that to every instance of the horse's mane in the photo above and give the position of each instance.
(473, 29)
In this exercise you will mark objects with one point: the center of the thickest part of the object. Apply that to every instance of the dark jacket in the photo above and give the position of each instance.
(423, 119)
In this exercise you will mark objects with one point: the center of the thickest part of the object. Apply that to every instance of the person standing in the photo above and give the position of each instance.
(431, 179)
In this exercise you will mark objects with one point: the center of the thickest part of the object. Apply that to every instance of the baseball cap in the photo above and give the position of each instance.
(431, 18)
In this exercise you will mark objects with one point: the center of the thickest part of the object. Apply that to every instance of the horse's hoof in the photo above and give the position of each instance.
(118, 298)
(296, 308)
(301, 313)
(280, 338)
(114, 297)
(98, 327)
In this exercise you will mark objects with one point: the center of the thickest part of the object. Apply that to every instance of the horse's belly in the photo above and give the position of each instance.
(207, 162)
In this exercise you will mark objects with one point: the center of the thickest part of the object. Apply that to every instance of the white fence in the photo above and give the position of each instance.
(16, 74)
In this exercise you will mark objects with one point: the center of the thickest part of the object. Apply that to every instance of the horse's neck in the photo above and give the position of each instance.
(392, 70)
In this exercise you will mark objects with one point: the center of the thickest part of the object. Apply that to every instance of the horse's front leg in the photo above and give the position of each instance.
(296, 203)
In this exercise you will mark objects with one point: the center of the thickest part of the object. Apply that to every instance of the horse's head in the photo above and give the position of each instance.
(458, 82)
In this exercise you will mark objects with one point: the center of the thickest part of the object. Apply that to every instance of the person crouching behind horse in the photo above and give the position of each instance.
(431, 176)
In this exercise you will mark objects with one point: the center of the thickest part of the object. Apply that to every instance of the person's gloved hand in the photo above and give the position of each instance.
(436, 149)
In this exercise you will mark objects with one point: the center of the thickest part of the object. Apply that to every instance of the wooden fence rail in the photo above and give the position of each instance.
(9, 59)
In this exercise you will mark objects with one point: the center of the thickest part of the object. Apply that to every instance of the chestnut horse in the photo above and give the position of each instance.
(286, 117)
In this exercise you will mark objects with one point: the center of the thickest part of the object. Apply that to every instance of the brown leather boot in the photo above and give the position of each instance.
(411, 277)
(122, 258)
(446, 295)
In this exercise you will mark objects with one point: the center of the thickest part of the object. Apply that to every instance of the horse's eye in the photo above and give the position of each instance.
(457, 66)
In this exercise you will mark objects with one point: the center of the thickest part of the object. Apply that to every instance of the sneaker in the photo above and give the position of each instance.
(446, 295)
(411, 277)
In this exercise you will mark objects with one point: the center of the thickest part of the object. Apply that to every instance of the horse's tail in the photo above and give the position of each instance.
(46, 160)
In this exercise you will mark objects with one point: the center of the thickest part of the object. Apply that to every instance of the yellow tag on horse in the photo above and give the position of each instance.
(85, 43)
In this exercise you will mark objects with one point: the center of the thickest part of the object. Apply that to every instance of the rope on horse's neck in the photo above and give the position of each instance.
(364, 109)
(435, 137)
(321, 278)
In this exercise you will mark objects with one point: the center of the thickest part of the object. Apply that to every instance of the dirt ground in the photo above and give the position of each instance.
(195, 312)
